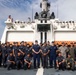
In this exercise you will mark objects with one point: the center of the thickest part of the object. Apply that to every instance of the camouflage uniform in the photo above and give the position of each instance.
(70, 63)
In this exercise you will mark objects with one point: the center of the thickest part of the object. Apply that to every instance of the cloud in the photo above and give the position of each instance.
(19, 9)
(21, 12)
(65, 9)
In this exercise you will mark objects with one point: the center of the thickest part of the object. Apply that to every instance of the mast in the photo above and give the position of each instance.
(45, 5)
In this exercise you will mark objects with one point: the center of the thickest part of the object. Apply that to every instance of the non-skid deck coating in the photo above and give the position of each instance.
(39, 71)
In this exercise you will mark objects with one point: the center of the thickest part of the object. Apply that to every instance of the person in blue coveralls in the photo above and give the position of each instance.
(27, 62)
(45, 51)
(18, 60)
(60, 62)
(10, 61)
(36, 54)
(53, 50)
(4, 54)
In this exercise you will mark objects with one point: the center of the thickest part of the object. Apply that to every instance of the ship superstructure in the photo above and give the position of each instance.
(45, 27)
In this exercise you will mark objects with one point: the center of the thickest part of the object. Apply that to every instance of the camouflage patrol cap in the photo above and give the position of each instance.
(71, 43)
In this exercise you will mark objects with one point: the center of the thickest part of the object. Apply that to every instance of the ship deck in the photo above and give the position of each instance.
(4, 71)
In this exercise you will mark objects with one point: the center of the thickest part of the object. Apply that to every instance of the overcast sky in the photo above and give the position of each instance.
(22, 9)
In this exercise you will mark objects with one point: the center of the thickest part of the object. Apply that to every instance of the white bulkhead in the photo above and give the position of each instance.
(45, 27)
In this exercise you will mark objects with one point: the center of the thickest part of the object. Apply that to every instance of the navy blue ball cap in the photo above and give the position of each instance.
(36, 41)
(22, 42)
(53, 41)
(14, 42)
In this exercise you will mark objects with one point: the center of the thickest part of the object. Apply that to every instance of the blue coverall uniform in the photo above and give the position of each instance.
(53, 55)
(36, 57)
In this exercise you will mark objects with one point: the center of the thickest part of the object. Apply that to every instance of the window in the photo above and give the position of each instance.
(45, 21)
(41, 21)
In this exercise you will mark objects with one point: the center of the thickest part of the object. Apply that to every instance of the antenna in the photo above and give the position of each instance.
(32, 13)
(57, 11)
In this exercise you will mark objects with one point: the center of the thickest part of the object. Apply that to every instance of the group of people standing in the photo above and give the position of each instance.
(24, 56)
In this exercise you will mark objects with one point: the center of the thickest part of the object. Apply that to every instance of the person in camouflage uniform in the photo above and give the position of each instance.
(75, 54)
(70, 62)
(63, 49)
(71, 51)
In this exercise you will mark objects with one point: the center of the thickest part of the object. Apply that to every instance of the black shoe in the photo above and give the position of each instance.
(8, 68)
(35, 67)
(46, 67)
(43, 66)
(0, 65)
(55, 67)
(63, 69)
(25, 69)
(57, 70)
(51, 66)
(18, 68)
(72, 69)
(38, 66)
